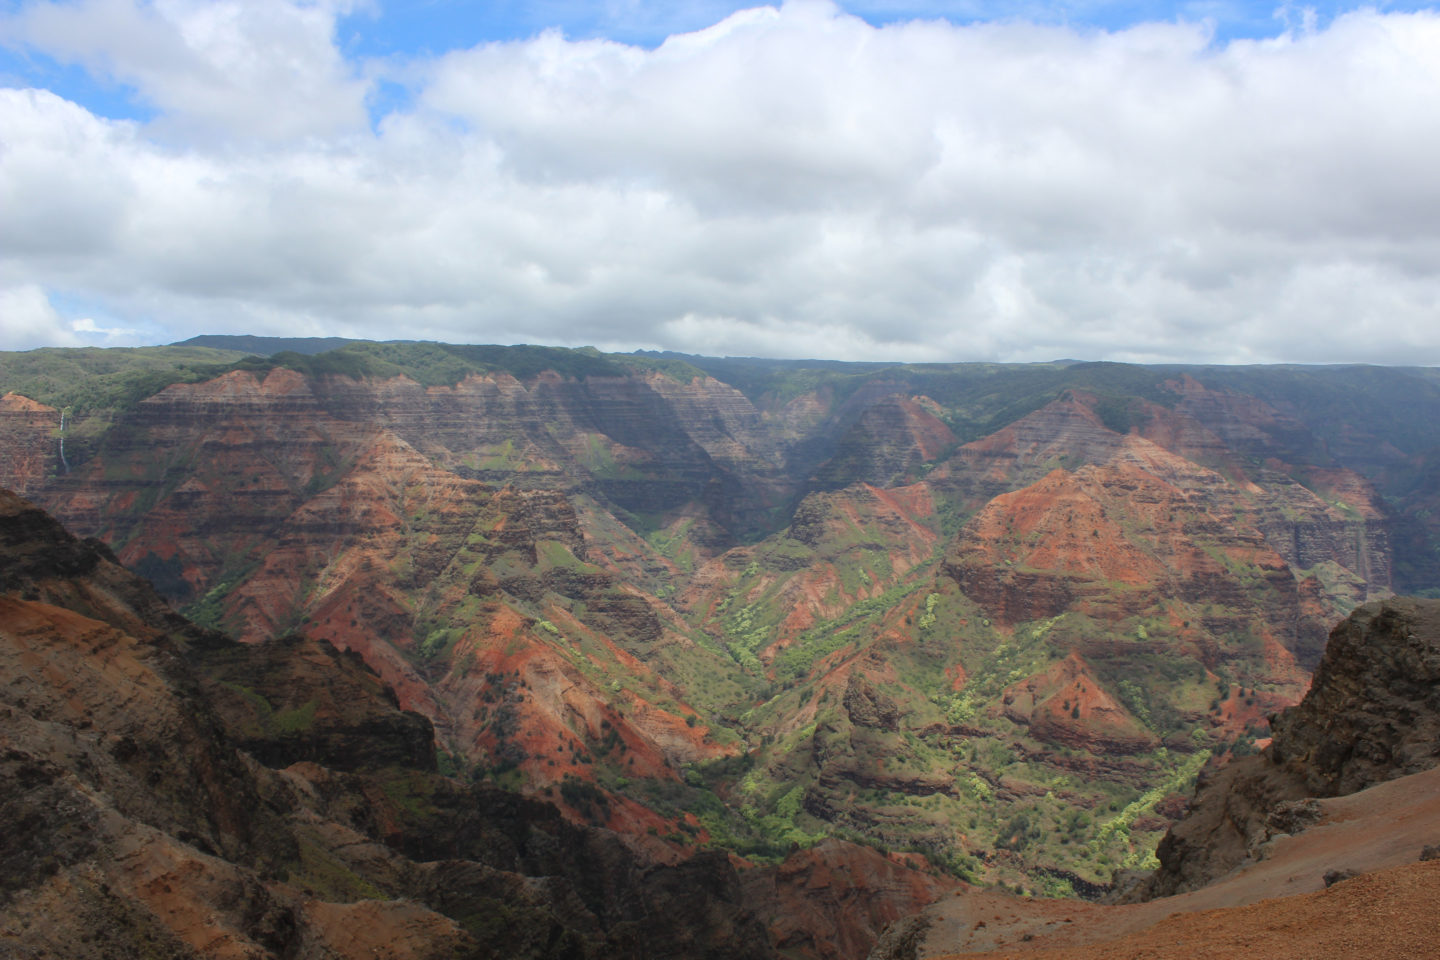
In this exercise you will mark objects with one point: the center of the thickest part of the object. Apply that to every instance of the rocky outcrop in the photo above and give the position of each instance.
(1228, 823)
(1373, 714)
(1373, 710)
(1065, 705)
(867, 707)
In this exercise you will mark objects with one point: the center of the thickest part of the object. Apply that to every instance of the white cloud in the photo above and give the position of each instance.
(215, 69)
(27, 320)
(88, 326)
(790, 181)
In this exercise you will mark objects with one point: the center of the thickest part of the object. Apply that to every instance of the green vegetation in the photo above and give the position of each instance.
(855, 624)
(269, 721)
(91, 380)
(328, 877)
(444, 364)
(1118, 827)
(209, 610)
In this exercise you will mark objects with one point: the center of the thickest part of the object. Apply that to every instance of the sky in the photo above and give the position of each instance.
(1208, 181)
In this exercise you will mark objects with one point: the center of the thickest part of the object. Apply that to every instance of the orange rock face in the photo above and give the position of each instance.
(1146, 535)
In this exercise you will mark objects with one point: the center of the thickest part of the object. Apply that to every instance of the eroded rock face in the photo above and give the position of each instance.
(1373, 714)
(887, 443)
(353, 508)
(28, 437)
(546, 566)
(1066, 705)
(1116, 540)
(1190, 467)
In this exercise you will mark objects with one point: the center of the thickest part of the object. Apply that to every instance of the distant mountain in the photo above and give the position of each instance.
(265, 346)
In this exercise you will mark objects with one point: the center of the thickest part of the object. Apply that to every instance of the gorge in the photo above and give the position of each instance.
(826, 639)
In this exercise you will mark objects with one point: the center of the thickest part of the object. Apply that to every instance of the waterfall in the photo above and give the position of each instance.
(63, 462)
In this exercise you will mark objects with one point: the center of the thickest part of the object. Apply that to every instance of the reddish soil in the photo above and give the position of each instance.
(832, 900)
(1388, 914)
(929, 433)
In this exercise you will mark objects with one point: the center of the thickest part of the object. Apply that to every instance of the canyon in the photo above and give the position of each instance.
(793, 627)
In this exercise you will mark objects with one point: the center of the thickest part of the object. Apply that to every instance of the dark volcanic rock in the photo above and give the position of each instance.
(1229, 820)
(297, 699)
(867, 707)
(1373, 712)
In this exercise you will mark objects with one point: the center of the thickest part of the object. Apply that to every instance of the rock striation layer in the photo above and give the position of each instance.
(28, 438)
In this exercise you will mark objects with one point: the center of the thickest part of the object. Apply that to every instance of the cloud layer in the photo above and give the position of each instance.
(789, 182)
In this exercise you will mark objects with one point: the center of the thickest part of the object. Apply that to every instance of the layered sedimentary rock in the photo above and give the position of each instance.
(28, 437)
(888, 443)
(275, 501)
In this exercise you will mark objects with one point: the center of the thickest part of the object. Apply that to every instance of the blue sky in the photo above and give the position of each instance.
(413, 26)
(1217, 182)
(424, 28)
